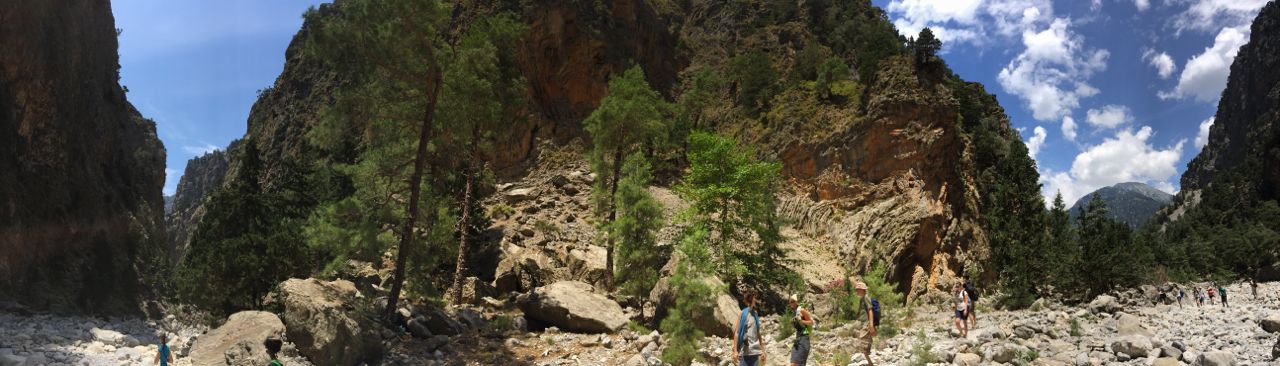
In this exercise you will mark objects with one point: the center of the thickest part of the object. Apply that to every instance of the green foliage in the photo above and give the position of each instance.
(635, 229)
(249, 240)
(691, 294)
(701, 92)
(1108, 251)
(502, 210)
(785, 330)
(808, 61)
(833, 72)
(892, 305)
(546, 227)
(1014, 211)
(1025, 357)
(842, 358)
(1075, 330)
(732, 194)
(922, 351)
(755, 79)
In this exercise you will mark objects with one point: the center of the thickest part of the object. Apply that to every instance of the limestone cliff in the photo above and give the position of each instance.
(202, 175)
(80, 196)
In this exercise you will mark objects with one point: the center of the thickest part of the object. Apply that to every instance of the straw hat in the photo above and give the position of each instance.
(793, 298)
(860, 286)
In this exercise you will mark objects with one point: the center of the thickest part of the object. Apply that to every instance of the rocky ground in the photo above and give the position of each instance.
(1111, 330)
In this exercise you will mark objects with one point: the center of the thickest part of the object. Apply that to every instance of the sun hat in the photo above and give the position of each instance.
(793, 298)
(860, 286)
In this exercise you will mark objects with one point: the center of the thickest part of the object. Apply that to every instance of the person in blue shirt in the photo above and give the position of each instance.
(163, 355)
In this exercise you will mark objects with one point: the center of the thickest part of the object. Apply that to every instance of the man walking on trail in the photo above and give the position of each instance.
(962, 306)
(1181, 294)
(1254, 283)
(862, 344)
(1222, 292)
(973, 301)
(803, 322)
(748, 344)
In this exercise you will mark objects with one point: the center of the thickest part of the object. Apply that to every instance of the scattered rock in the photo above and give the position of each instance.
(573, 306)
(107, 336)
(1216, 358)
(1104, 304)
(1133, 346)
(519, 195)
(1166, 361)
(967, 359)
(1271, 324)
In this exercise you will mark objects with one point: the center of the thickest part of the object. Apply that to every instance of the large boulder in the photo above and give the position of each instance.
(588, 265)
(319, 318)
(238, 341)
(573, 306)
(1130, 325)
(1104, 304)
(522, 269)
(1134, 346)
(1216, 358)
(967, 359)
(1271, 324)
(725, 309)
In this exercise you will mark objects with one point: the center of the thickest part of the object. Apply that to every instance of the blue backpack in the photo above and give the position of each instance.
(742, 329)
(875, 310)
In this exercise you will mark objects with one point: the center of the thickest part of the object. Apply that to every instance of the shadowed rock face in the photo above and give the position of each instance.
(1247, 125)
(202, 175)
(80, 197)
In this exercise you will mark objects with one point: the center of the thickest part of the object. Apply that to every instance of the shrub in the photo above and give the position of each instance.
(922, 351)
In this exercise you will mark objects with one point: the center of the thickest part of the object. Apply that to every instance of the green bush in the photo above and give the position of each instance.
(692, 293)
(922, 351)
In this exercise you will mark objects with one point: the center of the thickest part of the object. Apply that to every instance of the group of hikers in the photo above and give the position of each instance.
(748, 349)
(1211, 293)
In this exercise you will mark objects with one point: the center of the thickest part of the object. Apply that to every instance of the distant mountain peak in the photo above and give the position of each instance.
(1130, 202)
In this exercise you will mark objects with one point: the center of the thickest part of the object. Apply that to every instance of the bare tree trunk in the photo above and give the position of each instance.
(464, 222)
(613, 212)
(415, 192)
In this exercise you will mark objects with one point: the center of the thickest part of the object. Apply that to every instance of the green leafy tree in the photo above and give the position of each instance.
(628, 119)
(691, 294)
(635, 229)
(398, 49)
(832, 72)
(808, 61)
(733, 195)
(755, 79)
(1109, 255)
(1016, 226)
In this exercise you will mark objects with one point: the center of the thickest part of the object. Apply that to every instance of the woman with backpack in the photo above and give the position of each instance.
(748, 344)
(962, 307)
(164, 356)
(803, 322)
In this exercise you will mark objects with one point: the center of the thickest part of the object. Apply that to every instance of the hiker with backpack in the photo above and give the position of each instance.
(164, 356)
(1213, 295)
(803, 322)
(1222, 292)
(870, 308)
(962, 304)
(973, 300)
(748, 344)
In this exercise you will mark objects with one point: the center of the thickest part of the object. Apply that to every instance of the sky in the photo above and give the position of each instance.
(195, 67)
(1102, 91)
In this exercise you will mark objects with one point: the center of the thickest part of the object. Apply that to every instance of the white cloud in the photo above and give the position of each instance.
(1069, 128)
(1037, 141)
(198, 150)
(1166, 187)
(1126, 157)
(1208, 15)
(1161, 61)
(1050, 76)
(1205, 75)
(1110, 116)
(1142, 4)
(968, 21)
(1095, 5)
(1203, 137)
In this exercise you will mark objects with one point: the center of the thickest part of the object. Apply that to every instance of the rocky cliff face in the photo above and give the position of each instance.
(1246, 130)
(80, 199)
(202, 175)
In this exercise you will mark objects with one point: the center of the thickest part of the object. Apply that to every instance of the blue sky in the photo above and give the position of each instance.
(1103, 91)
(195, 66)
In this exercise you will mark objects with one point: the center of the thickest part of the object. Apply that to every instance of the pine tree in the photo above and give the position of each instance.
(733, 195)
(755, 78)
(477, 94)
(691, 294)
(400, 55)
(1063, 246)
(628, 119)
(635, 229)
(1016, 226)
(926, 47)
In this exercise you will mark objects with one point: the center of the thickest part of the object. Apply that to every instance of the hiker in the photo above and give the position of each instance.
(273, 344)
(1199, 297)
(962, 307)
(803, 322)
(748, 344)
(1212, 294)
(862, 343)
(1254, 283)
(973, 302)
(1181, 294)
(163, 356)
(1222, 292)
